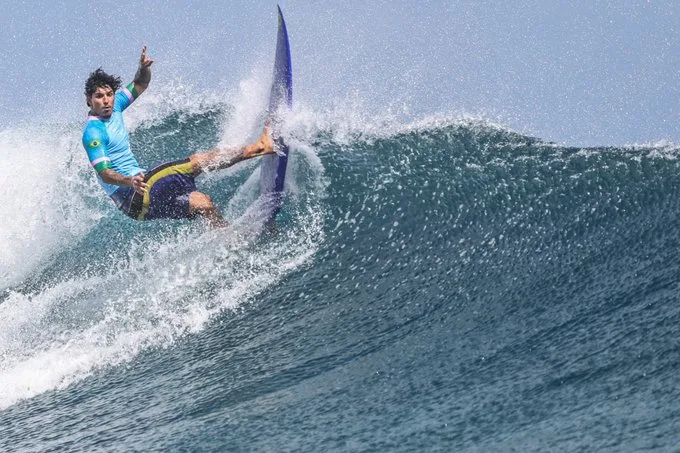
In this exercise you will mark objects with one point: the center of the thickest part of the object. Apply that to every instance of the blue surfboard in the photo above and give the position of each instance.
(273, 167)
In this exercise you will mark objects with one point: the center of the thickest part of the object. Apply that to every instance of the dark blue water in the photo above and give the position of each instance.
(448, 286)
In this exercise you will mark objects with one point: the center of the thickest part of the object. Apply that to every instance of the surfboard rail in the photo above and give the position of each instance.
(273, 167)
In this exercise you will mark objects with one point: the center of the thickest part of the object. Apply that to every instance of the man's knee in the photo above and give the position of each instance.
(201, 203)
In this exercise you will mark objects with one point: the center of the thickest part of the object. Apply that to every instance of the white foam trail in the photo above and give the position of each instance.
(166, 287)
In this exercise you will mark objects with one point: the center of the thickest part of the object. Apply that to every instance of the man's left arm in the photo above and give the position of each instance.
(143, 75)
(128, 94)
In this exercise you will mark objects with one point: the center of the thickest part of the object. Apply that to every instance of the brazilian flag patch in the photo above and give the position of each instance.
(94, 144)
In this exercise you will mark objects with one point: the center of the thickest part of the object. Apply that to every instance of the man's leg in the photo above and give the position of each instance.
(202, 204)
(219, 159)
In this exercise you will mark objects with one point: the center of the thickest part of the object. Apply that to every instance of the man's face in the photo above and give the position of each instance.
(101, 101)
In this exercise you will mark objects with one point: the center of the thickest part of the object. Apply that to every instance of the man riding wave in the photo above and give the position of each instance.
(167, 190)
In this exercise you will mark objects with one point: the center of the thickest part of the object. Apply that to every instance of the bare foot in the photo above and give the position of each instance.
(265, 145)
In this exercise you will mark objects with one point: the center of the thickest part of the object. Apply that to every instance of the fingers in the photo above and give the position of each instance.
(143, 59)
(139, 185)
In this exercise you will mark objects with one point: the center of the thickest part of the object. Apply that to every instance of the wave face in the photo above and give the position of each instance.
(443, 284)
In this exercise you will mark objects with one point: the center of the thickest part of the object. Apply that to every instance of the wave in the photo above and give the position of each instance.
(457, 207)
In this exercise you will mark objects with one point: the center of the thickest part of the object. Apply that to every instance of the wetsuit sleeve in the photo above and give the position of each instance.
(94, 141)
(125, 97)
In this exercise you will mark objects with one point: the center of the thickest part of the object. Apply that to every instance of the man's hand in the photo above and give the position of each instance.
(144, 61)
(137, 183)
(110, 176)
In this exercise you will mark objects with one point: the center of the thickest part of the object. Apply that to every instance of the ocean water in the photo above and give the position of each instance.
(436, 284)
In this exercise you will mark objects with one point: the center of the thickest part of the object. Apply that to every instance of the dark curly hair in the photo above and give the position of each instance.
(98, 79)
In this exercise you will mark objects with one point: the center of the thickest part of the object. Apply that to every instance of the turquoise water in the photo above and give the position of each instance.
(443, 284)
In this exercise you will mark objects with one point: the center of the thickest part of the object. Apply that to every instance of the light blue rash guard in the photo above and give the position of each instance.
(107, 142)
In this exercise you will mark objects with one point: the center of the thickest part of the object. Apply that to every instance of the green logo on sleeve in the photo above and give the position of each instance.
(94, 144)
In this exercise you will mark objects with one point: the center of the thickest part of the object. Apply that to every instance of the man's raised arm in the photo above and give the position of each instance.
(143, 75)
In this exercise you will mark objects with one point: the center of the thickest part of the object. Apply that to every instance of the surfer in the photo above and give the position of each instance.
(167, 190)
